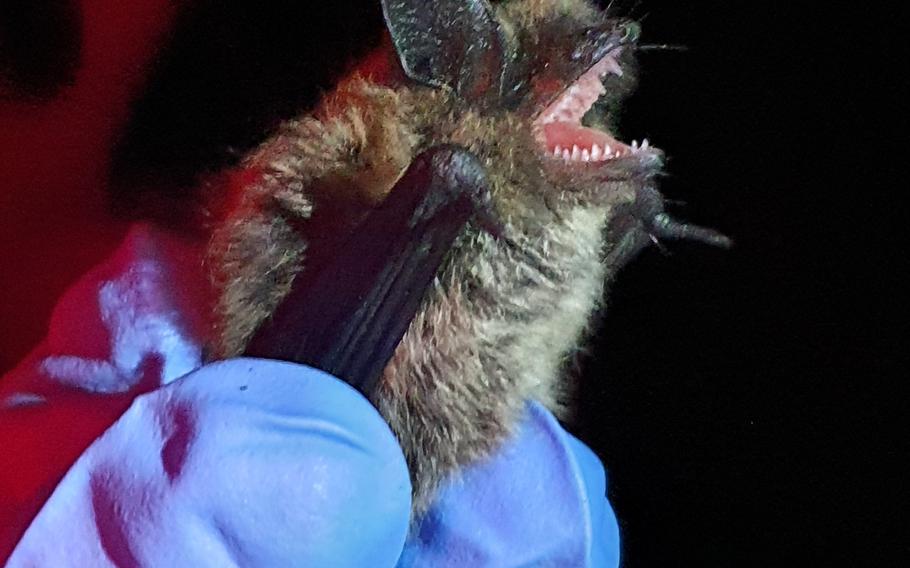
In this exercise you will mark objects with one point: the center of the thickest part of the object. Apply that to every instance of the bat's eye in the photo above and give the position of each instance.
(422, 66)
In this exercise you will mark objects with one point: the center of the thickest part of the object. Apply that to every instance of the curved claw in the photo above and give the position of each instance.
(664, 226)
(629, 245)
(644, 222)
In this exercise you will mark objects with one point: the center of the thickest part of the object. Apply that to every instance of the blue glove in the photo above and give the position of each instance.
(261, 463)
(541, 501)
(241, 463)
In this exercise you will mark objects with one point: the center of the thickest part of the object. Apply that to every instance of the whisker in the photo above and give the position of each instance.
(634, 7)
(661, 47)
(609, 7)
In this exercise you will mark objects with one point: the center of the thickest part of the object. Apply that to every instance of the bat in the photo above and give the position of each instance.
(346, 315)
(441, 228)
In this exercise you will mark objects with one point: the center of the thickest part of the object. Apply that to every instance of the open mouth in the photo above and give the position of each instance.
(558, 127)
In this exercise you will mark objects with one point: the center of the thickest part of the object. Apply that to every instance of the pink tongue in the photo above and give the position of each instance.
(566, 135)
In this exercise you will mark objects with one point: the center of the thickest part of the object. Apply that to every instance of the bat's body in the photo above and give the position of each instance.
(508, 88)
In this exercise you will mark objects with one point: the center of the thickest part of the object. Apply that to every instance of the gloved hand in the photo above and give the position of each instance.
(540, 501)
(242, 463)
(253, 462)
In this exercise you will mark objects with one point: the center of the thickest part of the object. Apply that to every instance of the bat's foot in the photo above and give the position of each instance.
(645, 222)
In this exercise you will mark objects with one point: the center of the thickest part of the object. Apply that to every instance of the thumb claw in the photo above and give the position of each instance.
(664, 226)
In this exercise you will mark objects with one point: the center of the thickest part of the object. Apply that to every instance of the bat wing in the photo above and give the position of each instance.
(347, 314)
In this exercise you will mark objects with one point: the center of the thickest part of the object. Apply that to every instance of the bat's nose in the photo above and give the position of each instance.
(631, 32)
(600, 41)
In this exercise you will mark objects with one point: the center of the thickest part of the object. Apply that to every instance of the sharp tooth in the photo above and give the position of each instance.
(557, 151)
(576, 153)
(613, 66)
(607, 150)
(586, 155)
(595, 152)
(635, 144)
(566, 155)
(645, 144)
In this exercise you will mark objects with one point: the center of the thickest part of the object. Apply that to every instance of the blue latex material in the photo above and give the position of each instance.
(541, 501)
(242, 463)
(260, 463)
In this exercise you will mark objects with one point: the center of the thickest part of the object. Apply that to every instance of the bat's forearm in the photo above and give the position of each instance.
(347, 315)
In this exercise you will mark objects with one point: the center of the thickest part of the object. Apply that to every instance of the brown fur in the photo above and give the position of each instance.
(498, 325)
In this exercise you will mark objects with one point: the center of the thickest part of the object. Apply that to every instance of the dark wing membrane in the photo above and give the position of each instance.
(347, 315)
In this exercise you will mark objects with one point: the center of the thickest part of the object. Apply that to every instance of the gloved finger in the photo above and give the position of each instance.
(540, 501)
(243, 463)
(604, 545)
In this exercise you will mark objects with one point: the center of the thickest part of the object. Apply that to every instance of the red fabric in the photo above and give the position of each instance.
(54, 225)
(39, 445)
(133, 323)
(54, 158)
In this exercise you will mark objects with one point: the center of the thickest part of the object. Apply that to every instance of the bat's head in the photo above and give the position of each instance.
(558, 68)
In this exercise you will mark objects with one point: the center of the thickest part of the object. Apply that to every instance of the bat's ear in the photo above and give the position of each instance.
(457, 43)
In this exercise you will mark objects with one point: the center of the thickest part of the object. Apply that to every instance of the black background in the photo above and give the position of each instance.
(745, 403)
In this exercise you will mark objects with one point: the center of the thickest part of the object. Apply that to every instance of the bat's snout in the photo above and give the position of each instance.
(601, 41)
(631, 31)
